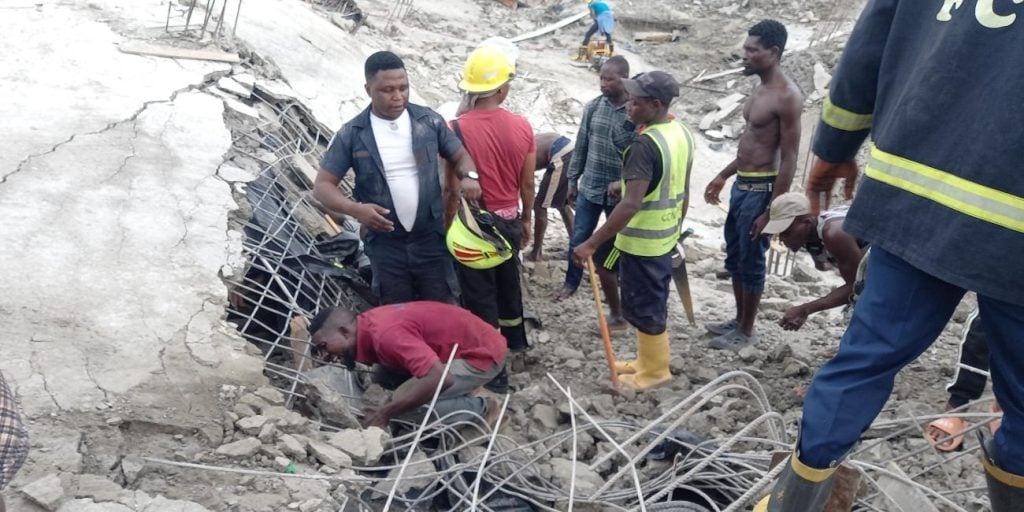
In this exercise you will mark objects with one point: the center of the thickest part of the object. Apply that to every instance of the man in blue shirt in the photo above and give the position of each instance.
(393, 148)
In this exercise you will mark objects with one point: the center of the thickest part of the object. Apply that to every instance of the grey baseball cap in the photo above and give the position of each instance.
(653, 84)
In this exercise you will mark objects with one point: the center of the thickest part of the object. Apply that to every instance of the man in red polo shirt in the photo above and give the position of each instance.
(416, 339)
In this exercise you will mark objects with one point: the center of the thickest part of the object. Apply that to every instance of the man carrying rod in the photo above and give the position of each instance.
(646, 223)
(764, 167)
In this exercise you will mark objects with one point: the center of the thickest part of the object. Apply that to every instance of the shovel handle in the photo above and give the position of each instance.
(605, 336)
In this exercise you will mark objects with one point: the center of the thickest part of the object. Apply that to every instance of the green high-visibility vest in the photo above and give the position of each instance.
(654, 229)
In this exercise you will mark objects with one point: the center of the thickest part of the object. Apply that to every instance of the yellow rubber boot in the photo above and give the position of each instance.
(627, 367)
(581, 55)
(652, 362)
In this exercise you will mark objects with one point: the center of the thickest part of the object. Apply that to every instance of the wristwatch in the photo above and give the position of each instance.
(472, 175)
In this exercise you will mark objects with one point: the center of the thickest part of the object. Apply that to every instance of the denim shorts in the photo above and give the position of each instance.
(745, 258)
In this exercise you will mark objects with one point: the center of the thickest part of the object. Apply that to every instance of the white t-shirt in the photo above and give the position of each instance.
(394, 142)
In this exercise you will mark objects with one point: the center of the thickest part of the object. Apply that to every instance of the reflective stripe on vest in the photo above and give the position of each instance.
(842, 119)
(654, 229)
(967, 197)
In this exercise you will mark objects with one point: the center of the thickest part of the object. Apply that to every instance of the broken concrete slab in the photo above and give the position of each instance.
(252, 425)
(240, 449)
(88, 505)
(365, 446)
(47, 492)
(419, 473)
(271, 395)
(329, 455)
(142, 48)
(291, 446)
(906, 498)
(228, 84)
(132, 467)
(326, 388)
(97, 487)
(241, 108)
(587, 480)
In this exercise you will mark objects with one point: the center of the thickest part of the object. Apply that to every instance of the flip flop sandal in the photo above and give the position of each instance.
(946, 427)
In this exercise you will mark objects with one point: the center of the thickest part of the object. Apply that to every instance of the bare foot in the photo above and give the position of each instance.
(563, 293)
(536, 254)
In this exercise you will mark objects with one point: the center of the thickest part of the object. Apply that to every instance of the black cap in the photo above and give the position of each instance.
(654, 84)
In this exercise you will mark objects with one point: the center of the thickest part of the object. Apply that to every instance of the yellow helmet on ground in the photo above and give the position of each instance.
(474, 240)
(487, 69)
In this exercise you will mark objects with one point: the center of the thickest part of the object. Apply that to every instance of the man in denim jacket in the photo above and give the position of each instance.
(393, 148)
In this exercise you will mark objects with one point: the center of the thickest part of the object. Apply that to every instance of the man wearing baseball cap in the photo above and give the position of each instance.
(646, 223)
(790, 217)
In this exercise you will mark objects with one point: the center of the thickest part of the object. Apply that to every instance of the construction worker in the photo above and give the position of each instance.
(604, 22)
(790, 217)
(502, 145)
(14, 442)
(942, 204)
(554, 154)
(646, 224)
(605, 132)
(764, 167)
(414, 340)
(392, 147)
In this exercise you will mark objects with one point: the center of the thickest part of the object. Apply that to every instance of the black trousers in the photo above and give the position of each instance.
(495, 295)
(968, 385)
(593, 30)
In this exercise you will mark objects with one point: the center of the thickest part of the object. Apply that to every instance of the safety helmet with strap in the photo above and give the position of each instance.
(487, 69)
(474, 240)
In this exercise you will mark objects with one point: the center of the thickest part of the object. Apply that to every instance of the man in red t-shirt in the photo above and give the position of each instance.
(416, 339)
(503, 148)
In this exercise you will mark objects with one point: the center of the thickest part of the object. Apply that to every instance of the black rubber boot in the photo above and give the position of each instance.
(1005, 489)
(800, 488)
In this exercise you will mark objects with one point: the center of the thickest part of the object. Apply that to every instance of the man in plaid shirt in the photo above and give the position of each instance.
(604, 133)
(13, 438)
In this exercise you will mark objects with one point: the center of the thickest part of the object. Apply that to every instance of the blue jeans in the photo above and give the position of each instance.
(587, 216)
(900, 314)
(745, 258)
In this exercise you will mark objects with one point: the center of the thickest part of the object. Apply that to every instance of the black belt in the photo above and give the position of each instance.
(754, 187)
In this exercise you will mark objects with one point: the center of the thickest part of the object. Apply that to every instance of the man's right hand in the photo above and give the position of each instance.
(823, 179)
(373, 217)
(470, 189)
(713, 190)
(570, 195)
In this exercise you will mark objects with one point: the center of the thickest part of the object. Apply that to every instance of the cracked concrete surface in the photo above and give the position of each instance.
(115, 225)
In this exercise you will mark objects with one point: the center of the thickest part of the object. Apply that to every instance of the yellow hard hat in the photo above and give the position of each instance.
(487, 68)
(474, 240)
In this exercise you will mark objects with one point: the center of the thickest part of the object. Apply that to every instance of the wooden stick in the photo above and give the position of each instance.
(608, 351)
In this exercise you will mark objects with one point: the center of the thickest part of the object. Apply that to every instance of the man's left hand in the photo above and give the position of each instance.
(582, 253)
(758, 227)
(794, 319)
(470, 189)
(375, 418)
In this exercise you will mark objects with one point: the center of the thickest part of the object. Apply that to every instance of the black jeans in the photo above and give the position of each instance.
(967, 385)
(495, 294)
(590, 33)
(411, 266)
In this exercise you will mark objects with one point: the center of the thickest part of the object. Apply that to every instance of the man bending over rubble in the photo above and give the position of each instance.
(790, 217)
(392, 147)
(415, 339)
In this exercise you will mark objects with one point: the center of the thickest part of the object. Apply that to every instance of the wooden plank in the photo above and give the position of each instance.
(141, 48)
(713, 76)
(551, 28)
(655, 37)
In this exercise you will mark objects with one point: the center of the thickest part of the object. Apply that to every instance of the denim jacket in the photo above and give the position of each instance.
(354, 147)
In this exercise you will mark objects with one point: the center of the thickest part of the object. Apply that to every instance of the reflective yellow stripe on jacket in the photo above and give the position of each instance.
(967, 197)
(654, 229)
(842, 119)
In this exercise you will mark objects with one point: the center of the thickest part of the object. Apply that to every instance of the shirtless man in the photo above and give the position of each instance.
(764, 167)
(554, 152)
